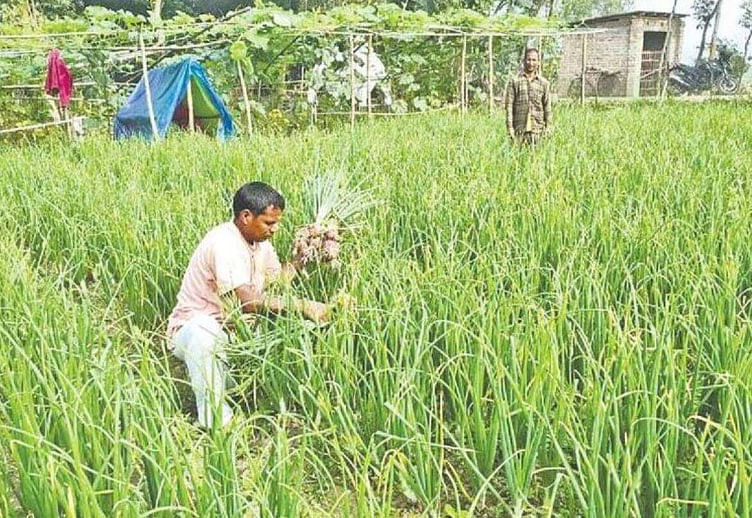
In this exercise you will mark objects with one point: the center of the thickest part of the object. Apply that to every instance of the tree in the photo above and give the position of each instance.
(565, 9)
(704, 11)
(746, 22)
(578, 9)
(716, 23)
(37, 8)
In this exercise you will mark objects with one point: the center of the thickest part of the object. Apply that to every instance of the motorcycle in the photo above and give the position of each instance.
(707, 75)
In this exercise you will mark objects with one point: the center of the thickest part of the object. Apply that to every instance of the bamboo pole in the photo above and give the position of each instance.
(246, 102)
(352, 83)
(540, 56)
(368, 75)
(490, 75)
(584, 60)
(316, 31)
(189, 100)
(662, 75)
(69, 122)
(34, 126)
(540, 47)
(463, 84)
(150, 106)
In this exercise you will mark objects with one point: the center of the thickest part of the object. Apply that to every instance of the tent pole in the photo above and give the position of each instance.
(152, 118)
(189, 100)
(246, 102)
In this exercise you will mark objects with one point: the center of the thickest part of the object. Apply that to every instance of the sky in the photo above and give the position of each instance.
(729, 29)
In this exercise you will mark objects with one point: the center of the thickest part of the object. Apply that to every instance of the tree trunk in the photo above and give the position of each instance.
(33, 13)
(537, 8)
(706, 25)
(156, 12)
(746, 57)
(551, 6)
(714, 37)
(155, 18)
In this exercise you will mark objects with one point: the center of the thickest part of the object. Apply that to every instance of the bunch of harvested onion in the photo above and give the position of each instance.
(318, 243)
(334, 208)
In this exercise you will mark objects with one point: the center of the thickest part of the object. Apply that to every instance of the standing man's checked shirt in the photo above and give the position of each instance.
(528, 106)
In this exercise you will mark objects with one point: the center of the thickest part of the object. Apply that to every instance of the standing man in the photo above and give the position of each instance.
(528, 102)
(235, 261)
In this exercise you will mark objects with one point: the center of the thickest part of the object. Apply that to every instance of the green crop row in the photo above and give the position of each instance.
(558, 332)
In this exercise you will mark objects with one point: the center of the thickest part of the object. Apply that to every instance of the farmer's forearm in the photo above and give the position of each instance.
(267, 303)
(275, 304)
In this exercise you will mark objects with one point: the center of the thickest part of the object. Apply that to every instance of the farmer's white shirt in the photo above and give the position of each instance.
(223, 261)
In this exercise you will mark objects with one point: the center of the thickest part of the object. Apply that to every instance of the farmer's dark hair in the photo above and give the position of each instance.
(256, 197)
(532, 49)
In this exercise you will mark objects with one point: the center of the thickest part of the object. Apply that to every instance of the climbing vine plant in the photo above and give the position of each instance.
(295, 64)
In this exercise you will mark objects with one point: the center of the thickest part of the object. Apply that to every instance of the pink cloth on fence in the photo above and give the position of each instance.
(59, 79)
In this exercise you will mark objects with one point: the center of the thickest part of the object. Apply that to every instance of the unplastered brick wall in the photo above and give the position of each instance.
(606, 51)
(641, 25)
(614, 58)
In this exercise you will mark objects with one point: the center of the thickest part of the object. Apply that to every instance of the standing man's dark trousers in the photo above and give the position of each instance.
(529, 138)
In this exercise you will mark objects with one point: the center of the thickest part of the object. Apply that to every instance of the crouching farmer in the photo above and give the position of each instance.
(233, 260)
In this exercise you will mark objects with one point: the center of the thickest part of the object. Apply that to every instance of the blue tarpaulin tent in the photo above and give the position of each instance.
(169, 86)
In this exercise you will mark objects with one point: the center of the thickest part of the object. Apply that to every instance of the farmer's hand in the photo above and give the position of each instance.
(318, 312)
(290, 270)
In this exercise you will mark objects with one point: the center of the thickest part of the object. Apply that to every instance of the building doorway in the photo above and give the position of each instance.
(652, 48)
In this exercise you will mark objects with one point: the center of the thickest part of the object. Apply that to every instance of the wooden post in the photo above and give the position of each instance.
(368, 75)
(69, 120)
(149, 104)
(77, 126)
(662, 74)
(540, 51)
(540, 56)
(352, 83)
(246, 102)
(189, 100)
(463, 84)
(584, 59)
(490, 75)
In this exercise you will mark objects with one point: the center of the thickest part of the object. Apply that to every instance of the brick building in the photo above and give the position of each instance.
(623, 60)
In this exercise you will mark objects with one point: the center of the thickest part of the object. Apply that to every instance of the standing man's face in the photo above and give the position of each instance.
(531, 62)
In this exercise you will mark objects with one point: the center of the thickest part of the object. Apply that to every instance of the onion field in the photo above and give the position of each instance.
(562, 331)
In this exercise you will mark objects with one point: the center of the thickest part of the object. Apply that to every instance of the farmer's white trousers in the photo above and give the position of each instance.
(200, 344)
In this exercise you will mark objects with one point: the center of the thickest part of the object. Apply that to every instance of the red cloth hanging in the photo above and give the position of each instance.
(59, 79)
